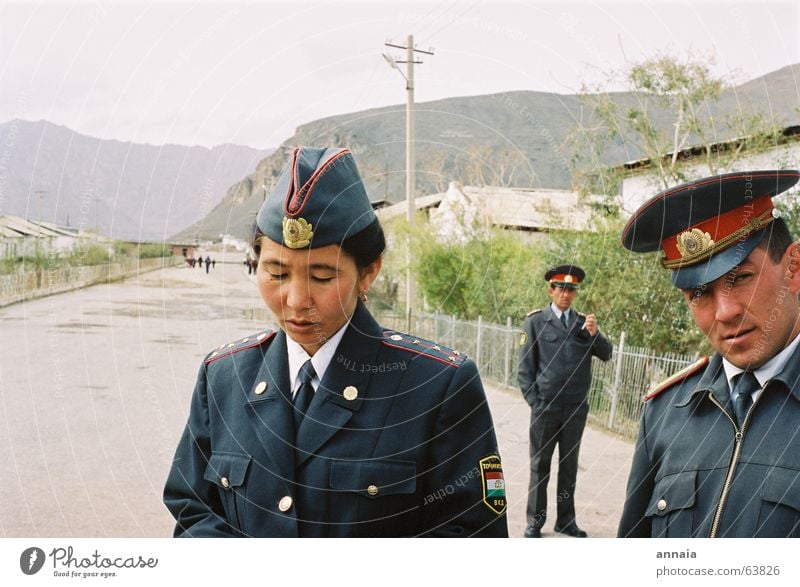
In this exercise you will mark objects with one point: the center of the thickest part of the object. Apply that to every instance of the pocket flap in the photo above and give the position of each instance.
(673, 492)
(227, 469)
(782, 486)
(374, 478)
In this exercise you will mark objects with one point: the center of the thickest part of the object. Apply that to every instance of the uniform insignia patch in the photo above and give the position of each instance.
(523, 339)
(494, 486)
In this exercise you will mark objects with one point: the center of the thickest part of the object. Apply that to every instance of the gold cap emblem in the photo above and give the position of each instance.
(297, 233)
(693, 242)
(568, 279)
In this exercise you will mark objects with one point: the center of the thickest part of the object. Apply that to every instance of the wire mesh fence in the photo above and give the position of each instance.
(618, 385)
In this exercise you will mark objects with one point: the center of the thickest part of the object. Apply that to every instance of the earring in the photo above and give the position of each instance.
(363, 297)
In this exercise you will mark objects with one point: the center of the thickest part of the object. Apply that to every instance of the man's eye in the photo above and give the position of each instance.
(322, 279)
(742, 277)
(696, 294)
(276, 275)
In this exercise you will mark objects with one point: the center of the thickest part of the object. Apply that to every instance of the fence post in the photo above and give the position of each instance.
(507, 352)
(478, 340)
(617, 380)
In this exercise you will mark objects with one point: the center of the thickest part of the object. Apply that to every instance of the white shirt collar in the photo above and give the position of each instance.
(558, 312)
(321, 359)
(764, 373)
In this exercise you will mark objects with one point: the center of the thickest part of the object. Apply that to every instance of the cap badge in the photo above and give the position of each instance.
(568, 279)
(694, 242)
(297, 233)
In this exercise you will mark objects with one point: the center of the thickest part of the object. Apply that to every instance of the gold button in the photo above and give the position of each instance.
(372, 490)
(436, 347)
(261, 336)
(285, 504)
(350, 393)
(662, 505)
(396, 337)
(245, 340)
(214, 354)
(231, 344)
(260, 388)
(225, 483)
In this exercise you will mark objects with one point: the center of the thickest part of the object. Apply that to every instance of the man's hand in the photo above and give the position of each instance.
(591, 324)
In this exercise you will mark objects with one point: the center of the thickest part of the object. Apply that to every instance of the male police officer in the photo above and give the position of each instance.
(554, 374)
(718, 453)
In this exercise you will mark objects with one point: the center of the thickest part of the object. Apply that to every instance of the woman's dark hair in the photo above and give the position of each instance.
(364, 247)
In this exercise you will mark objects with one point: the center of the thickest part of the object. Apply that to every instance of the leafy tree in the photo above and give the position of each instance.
(672, 107)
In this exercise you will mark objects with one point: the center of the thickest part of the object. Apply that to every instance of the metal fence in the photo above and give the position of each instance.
(618, 385)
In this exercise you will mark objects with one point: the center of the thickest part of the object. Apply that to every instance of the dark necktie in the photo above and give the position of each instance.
(305, 393)
(564, 319)
(744, 386)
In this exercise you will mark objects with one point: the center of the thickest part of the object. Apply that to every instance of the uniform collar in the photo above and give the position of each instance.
(768, 370)
(321, 359)
(558, 312)
(715, 380)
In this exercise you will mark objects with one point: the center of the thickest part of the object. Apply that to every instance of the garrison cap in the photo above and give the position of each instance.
(568, 276)
(708, 226)
(319, 200)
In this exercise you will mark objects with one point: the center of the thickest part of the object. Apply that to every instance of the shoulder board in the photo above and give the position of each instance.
(532, 312)
(423, 347)
(581, 314)
(239, 345)
(677, 377)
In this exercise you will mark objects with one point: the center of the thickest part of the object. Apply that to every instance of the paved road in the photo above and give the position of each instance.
(94, 393)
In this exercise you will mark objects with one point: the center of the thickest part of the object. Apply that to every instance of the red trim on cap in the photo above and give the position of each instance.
(718, 227)
(297, 202)
(562, 278)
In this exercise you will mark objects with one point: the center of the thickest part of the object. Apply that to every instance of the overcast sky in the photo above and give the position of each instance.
(206, 73)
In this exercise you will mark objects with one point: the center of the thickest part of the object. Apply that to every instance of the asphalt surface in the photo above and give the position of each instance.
(94, 393)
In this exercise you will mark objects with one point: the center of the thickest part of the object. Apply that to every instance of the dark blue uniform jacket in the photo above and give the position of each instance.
(696, 474)
(408, 456)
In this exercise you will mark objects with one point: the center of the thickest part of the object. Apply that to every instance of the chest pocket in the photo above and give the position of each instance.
(671, 509)
(228, 472)
(380, 495)
(374, 479)
(779, 515)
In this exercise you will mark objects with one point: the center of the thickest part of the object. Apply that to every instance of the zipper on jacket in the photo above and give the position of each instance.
(737, 450)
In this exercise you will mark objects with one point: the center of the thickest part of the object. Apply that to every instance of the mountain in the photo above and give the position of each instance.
(126, 190)
(513, 139)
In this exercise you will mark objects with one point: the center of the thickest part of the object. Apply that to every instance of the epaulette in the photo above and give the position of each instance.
(422, 347)
(532, 312)
(234, 347)
(677, 377)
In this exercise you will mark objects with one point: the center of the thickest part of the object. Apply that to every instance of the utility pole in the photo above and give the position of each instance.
(410, 155)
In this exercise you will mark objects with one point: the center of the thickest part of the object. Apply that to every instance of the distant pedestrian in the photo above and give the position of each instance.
(208, 263)
(200, 260)
(213, 263)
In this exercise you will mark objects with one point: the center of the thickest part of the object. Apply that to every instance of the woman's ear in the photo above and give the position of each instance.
(369, 274)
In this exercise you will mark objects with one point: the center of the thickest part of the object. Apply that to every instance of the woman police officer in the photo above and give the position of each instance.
(333, 426)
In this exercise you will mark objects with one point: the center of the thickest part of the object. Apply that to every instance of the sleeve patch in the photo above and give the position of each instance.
(494, 485)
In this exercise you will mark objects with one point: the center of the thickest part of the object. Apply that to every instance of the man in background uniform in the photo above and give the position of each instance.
(555, 371)
(718, 453)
